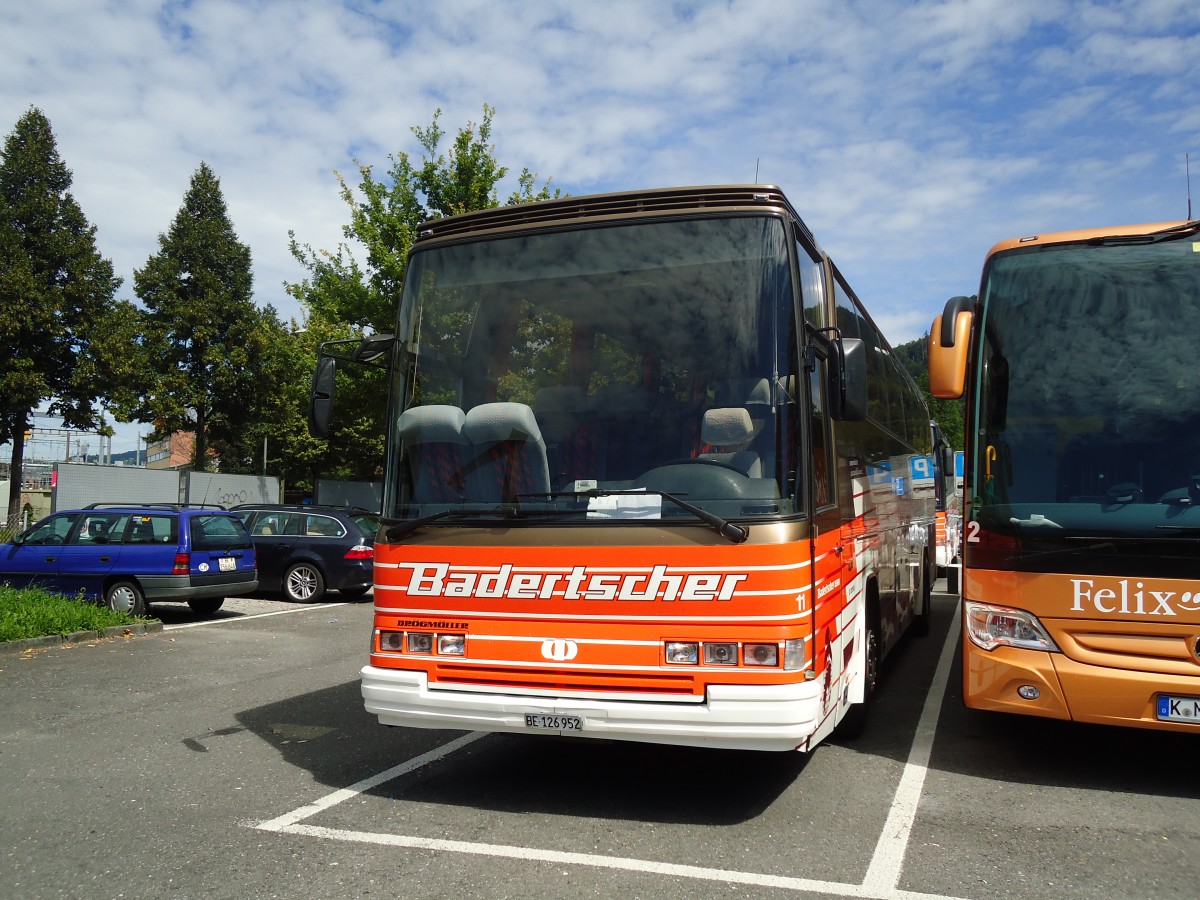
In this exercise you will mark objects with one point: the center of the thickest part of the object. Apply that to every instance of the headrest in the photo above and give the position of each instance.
(501, 422)
(432, 424)
(760, 394)
(727, 427)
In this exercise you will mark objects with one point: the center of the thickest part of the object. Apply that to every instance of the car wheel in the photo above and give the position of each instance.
(126, 597)
(303, 583)
(854, 723)
(354, 592)
(205, 605)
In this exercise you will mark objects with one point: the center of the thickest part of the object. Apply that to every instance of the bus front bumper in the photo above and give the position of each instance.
(1071, 690)
(734, 717)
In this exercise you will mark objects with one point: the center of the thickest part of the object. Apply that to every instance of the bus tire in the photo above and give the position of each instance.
(920, 622)
(854, 722)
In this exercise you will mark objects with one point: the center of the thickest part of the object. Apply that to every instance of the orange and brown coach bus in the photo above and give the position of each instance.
(647, 478)
(1081, 565)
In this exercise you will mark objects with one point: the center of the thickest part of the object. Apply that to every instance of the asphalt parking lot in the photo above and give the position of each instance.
(229, 756)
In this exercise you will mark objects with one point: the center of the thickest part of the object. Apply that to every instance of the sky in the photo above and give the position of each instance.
(910, 136)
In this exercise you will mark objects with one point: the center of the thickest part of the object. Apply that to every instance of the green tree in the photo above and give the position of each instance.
(56, 293)
(342, 298)
(914, 356)
(213, 361)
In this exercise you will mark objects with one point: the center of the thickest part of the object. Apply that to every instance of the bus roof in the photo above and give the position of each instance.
(1086, 234)
(624, 205)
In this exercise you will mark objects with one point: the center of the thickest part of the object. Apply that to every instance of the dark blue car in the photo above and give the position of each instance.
(132, 555)
(303, 551)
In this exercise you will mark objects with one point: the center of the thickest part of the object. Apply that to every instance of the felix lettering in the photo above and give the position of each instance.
(1120, 599)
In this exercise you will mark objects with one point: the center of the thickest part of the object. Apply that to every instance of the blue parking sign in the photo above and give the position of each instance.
(921, 468)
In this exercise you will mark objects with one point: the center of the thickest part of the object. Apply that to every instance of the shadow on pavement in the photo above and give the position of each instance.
(328, 734)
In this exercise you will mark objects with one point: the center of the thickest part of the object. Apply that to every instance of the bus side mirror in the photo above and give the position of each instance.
(320, 403)
(948, 344)
(849, 381)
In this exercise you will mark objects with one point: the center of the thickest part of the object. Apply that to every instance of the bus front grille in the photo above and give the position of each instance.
(518, 679)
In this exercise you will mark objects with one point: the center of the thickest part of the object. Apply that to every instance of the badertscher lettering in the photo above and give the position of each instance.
(580, 583)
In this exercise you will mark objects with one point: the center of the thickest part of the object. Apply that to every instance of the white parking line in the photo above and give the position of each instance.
(883, 874)
(888, 859)
(278, 612)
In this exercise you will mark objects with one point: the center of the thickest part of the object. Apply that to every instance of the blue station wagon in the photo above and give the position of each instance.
(129, 556)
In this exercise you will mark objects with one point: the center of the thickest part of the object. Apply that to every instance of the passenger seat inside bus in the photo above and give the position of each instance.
(508, 453)
(433, 451)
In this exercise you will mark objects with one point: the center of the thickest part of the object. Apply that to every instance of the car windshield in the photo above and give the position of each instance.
(1090, 436)
(640, 357)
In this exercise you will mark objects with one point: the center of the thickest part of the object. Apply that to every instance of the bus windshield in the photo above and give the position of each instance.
(562, 373)
(1087, 422)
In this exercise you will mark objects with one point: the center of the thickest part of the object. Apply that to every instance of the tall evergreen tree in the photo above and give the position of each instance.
(212, 355)
(56, 295)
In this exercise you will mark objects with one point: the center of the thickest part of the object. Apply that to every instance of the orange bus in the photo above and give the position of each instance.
(1081, 565)
(648, 477)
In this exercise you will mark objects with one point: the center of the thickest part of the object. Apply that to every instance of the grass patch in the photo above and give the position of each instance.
(33, 612)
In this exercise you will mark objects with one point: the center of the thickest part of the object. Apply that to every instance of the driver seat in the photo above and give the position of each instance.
(726, 433)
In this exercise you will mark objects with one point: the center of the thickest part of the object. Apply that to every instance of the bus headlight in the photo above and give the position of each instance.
(1001, 626)
(720, 654)
(683, 653)
(419, 642)
(760, 654)
(452, 644)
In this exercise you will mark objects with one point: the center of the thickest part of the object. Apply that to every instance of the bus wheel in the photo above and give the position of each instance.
(854, 723)
(952, 575)
(126, 597)
(920, 622)
(205, 605)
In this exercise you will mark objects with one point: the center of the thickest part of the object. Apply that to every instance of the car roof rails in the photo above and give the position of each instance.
(304, 506)
(145, 505)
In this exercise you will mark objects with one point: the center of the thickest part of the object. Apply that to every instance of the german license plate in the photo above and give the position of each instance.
(227, 564)
(554, 723)
(1178, 709)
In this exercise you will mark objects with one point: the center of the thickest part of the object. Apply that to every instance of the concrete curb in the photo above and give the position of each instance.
(13, 648)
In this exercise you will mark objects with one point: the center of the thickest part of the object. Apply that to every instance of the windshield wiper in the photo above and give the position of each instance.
(401, 527)
(1154, 237)
(723, 527)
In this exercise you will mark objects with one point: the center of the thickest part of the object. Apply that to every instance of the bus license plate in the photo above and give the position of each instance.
(227, 564)
(554, 723)
(1178, 709)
